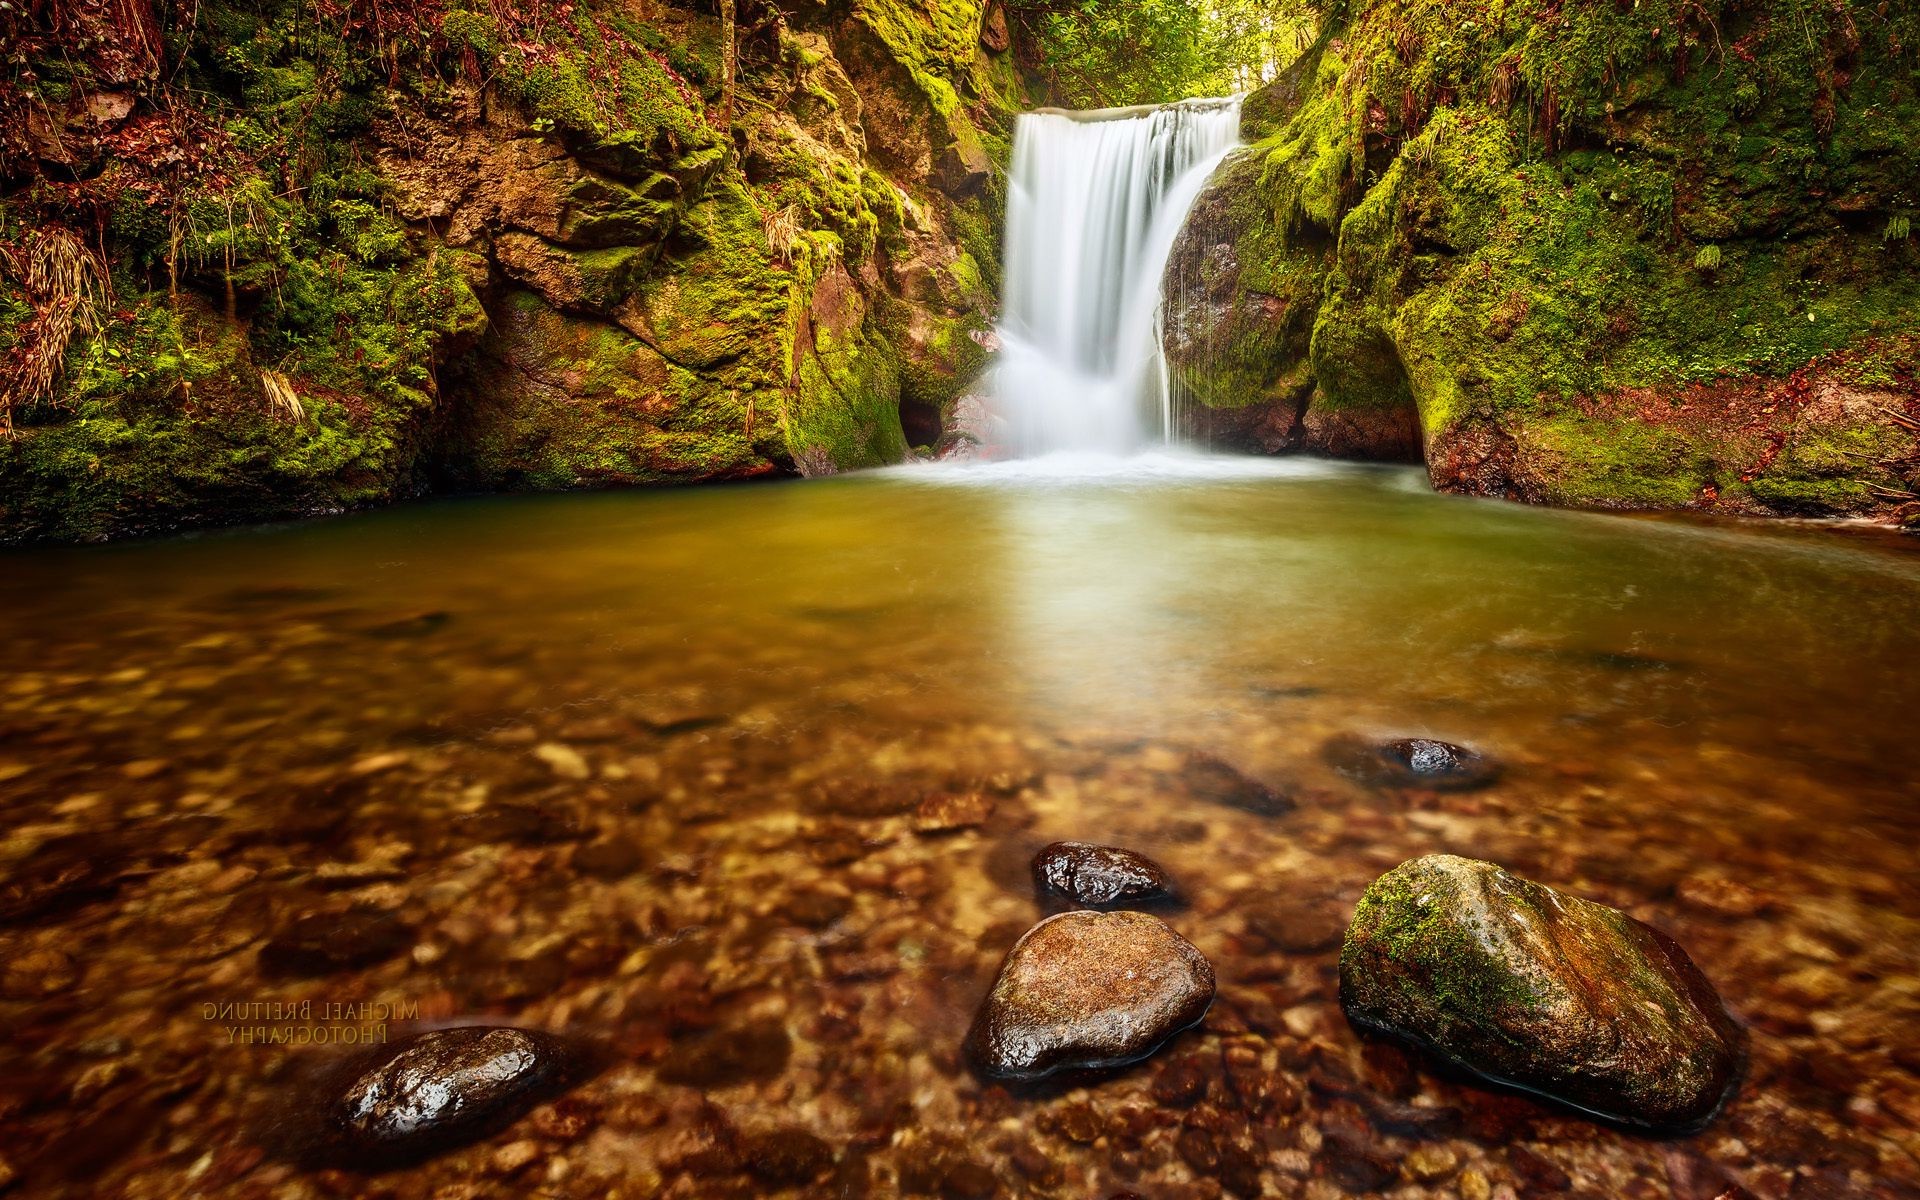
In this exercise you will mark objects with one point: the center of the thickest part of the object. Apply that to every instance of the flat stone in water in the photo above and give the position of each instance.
(1088, 990)
(1100, 876)
(1532, 987)
(1410, 762)
(444, 1088)
(326, 943)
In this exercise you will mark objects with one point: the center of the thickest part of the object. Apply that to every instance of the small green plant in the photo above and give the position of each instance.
(1707, 258)
(1899, 229)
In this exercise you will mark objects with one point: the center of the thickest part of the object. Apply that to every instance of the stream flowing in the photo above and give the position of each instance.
(653, 769)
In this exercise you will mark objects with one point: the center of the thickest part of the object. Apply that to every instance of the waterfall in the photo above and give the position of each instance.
(1097, 200)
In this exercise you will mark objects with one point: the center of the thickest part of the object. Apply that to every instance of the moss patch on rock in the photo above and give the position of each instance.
(1533, 220)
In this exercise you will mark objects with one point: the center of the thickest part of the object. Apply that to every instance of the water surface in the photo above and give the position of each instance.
(647, 768)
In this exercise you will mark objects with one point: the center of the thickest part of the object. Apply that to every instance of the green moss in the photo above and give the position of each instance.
(1406, 919)
(1532, 207)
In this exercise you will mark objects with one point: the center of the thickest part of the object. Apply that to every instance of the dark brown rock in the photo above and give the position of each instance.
(327, 943)
(1410, 762)
(444, 1088)
(1086, 990)
(1100, 876)
(1542, 990)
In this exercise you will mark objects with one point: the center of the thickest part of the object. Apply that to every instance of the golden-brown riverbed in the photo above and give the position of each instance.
(665, 773)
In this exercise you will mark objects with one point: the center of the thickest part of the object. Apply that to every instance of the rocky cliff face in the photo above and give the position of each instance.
(1656, 255)
(534, 245)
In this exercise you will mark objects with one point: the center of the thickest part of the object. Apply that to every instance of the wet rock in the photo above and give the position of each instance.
(1410, 762)
(728, 1055)
(328, 943)
(950, 812)
(1219, 782)
(1086, 990)
(1542, 990)
(442, 1089)
(1100, 876)
(789, 1157)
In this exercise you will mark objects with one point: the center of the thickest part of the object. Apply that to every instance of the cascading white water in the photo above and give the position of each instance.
(1097, 201)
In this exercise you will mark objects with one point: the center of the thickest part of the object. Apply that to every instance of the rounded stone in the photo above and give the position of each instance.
(443, 1088)
(1545, 991)
(1100, 876)
(1088, 990)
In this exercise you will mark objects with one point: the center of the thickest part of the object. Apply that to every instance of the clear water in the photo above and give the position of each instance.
(644, 767)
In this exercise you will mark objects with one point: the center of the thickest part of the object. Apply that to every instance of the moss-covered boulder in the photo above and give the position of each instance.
(1640, 256)
(1545, 991)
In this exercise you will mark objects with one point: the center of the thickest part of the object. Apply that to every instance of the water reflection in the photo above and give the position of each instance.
(651, 769)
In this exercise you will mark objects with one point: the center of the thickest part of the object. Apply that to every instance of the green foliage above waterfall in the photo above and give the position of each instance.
(1095, 54)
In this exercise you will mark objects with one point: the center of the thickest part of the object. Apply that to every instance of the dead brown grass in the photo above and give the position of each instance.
(65, 282)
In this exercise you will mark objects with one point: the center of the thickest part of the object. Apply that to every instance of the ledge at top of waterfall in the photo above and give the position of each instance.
(1097, 199)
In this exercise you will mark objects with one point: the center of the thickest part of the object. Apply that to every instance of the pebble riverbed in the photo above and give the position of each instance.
(738, 790)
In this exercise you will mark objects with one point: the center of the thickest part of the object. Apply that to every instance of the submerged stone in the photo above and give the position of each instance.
(325, 943)
(1088, 990)
(1410, 762)
(1219, 782)
(1100, 876)
(1545, 991)
(444, 1088)
(728, 1055)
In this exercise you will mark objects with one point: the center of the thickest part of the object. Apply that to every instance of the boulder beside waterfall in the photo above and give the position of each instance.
(1531, 987)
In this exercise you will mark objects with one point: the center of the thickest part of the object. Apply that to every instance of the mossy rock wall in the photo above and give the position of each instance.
(478, 265)
(1643, 256)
